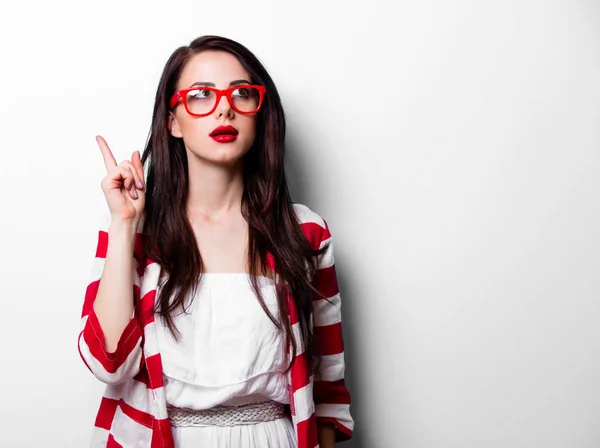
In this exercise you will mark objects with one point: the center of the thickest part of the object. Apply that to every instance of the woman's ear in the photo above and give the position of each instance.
(174, 126)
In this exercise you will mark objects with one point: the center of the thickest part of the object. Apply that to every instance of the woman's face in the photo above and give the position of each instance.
(219, 68)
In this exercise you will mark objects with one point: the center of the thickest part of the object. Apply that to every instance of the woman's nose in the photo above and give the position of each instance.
(224, 106)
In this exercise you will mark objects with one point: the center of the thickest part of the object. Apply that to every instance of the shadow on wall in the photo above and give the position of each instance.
(350, 327)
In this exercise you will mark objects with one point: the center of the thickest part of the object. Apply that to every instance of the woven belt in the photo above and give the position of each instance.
(226, 415)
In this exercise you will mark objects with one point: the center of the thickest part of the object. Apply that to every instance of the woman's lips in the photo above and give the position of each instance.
(224, 134)
(224, 138)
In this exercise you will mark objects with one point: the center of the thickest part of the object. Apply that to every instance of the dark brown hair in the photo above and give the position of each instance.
(266, 204)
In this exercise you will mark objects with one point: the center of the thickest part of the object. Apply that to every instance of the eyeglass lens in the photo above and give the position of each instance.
(201, 101)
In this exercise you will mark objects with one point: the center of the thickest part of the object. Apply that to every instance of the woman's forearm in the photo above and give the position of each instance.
(114, 302)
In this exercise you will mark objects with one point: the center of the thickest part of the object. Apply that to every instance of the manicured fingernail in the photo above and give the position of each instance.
(139, 184)
(135, 193)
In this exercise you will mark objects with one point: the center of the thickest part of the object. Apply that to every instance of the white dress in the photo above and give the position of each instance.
(230, 353)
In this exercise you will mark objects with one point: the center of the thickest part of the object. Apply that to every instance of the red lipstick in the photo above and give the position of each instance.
(224, 134)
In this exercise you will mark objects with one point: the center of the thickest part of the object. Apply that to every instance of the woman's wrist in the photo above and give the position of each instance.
(326, 431)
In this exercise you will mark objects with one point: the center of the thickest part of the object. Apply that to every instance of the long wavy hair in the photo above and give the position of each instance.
(168, 237)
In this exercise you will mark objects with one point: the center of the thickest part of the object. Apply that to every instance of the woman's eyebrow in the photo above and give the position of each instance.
(211, 84)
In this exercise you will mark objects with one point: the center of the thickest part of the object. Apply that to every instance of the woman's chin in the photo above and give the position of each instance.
(223, 156)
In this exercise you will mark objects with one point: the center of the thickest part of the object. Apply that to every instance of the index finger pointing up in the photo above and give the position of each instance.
(109, 159)
(137, 163)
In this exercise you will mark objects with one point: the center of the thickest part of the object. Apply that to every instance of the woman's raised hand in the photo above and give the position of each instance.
(123, 185)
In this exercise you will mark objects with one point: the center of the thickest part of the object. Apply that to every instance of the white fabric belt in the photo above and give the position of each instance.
(226, 415)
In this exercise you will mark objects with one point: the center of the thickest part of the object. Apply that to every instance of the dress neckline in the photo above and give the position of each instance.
(229, 274)
(217, 278)
(236, 276)
(233, 274)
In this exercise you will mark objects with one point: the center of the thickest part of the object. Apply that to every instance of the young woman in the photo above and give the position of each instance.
(213, 311)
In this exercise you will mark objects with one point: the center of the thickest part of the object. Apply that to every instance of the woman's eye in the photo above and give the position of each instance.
(200, 93)
(241, 91)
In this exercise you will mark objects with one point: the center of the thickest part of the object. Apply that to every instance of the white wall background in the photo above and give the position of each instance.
(453, 148)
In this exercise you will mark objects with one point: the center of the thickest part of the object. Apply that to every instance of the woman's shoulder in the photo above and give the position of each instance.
(307, 215)
(313, 224)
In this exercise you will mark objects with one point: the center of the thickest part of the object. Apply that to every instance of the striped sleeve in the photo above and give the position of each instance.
(125, 361)
(332, 399)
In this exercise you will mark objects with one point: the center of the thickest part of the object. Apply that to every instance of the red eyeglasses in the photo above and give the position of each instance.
(200, 101)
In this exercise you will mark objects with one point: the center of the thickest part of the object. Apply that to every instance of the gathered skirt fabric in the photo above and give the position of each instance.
(272, 434)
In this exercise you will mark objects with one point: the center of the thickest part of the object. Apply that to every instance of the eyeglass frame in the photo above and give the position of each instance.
(182, 95)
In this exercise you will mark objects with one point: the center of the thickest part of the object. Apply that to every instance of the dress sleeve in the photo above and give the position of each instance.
(332, 399)
(125, 361)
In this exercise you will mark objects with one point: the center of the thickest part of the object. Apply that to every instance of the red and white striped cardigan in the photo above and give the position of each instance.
(133, 409)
